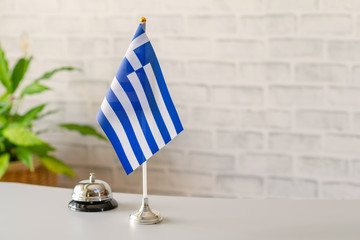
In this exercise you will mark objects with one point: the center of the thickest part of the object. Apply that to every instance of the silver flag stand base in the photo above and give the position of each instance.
(145, 215)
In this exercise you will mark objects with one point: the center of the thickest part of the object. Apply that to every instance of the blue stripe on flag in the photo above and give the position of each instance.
(147, 55)
(122, 116)
(153, 106)
(124, 70)
(147, 132)
(139, 31)
(110, 133)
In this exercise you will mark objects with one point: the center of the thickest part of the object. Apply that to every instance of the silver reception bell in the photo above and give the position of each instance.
(92, 195)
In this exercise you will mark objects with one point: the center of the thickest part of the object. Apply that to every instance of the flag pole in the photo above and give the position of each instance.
(145, 215)
(144, 172)
(144, 165)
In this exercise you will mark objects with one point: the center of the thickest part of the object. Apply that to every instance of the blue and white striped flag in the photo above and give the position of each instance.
(137, 114)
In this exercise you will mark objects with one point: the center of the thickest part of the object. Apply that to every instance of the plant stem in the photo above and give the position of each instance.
(17, 103)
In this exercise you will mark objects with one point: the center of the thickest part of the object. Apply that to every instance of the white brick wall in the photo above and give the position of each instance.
(268, 90)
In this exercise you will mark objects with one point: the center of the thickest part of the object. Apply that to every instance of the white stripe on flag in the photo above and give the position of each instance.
(120, 132)
(135, 82)
(130, 112)
(130, 54)
(133, 59)
(159, 100)
(137, 42)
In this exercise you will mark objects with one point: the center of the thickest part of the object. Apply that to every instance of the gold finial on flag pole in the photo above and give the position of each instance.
(143, 23)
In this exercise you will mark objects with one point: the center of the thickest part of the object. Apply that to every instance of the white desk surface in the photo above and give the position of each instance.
(33, 212)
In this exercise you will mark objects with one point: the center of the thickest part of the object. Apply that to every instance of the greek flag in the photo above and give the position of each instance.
(137, 114)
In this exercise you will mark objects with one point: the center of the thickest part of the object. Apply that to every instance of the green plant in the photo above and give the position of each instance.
(18, 141)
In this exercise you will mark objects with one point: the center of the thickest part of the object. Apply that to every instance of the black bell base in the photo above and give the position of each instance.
(92, 206)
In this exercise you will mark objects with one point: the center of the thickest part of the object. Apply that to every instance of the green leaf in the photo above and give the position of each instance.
(2, 144)
(48, 113)
(5, 105)
(84, 130)
(36, 87)
(3, 121)
(41, 131)
(25, 156)
(33, 88)
(19, 72)
(4, 163)
(2, 147)
(42, 150)
(31, 114)
(57, 166)
(51, 73)
(21, 136)
(4, 96)
(4, 71)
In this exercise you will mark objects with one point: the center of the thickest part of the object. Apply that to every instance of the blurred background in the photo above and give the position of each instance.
(268, 91)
